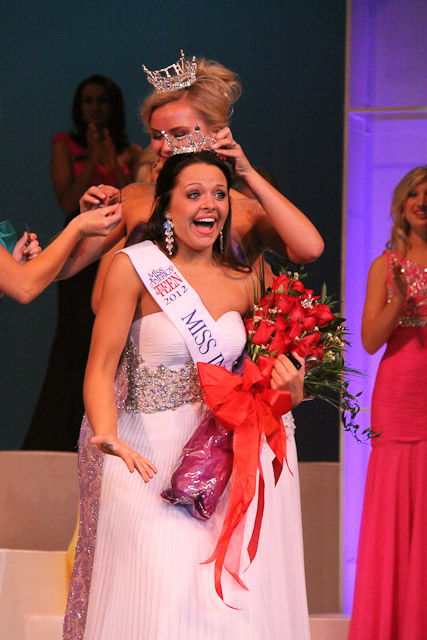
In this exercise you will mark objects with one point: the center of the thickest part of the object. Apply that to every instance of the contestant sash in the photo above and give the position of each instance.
(177, 298)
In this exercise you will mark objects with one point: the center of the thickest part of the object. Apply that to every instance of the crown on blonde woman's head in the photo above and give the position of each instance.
(189, 142)
(176, 76)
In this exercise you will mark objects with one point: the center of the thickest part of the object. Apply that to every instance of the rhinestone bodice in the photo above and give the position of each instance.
(161, 374)
(414, 311)
(152, 390)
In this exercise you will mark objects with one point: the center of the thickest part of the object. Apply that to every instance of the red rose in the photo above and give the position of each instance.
(298, 286)
(294, 331)
(324, 315)
(309, 320)
(266, 302)
(249, 324)
(263, 333)
(282, 280)
(285, 303)
(297, 312)
(308, 344)
(280, 343)
(281, 323)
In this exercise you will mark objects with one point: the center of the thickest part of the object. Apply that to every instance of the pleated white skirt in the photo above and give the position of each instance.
(148, 582)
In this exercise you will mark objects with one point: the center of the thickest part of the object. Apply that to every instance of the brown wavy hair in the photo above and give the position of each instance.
(212, 95)
(400, 229)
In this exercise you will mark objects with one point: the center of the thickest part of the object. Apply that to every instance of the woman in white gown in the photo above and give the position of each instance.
(147, 580)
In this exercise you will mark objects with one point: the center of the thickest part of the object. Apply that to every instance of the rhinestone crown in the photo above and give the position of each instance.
(176, 76)
(189, 142)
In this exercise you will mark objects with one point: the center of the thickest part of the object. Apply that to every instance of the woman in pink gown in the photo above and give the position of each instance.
(390, 600)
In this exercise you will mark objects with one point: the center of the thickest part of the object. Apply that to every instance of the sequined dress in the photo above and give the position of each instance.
(147, 581)
(391, 580)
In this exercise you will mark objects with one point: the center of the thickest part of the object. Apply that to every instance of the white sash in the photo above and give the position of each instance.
(177, 298)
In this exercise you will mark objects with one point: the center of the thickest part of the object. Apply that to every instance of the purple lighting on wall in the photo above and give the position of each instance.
(387, 136)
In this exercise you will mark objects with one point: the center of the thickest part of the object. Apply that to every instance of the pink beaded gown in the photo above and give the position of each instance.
(390, 601)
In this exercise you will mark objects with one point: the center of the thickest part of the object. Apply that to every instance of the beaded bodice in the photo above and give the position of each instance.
(414, 311)
(160, 371)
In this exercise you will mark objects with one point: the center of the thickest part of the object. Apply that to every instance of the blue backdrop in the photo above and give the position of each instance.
(290, 56)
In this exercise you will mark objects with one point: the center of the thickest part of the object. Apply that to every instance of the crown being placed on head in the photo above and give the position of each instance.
(189, 142)
(177, 76)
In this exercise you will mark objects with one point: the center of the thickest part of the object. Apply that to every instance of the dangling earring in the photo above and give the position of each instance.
(221, 242)
(169, 239)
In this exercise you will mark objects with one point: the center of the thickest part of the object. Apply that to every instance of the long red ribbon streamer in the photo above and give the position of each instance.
(247, 406)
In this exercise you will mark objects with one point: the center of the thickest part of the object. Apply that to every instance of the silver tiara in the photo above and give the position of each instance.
(177, 76)
(189, 142)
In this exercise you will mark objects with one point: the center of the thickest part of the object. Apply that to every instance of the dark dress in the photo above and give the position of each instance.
(56, 420)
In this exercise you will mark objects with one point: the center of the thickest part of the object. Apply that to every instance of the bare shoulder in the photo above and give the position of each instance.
(121, 270)
(138, 190)
(246, 282)
(241, 203)
(138, 204)
(378, 269)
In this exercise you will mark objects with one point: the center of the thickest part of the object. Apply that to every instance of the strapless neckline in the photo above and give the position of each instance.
(163, 313)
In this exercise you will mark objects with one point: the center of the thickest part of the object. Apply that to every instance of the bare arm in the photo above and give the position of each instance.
(122, 291)
(68, 189)
(24, 282)
(299, 236)
(101, 273)
(137, 206)
(88, 250)
(91, 249)
(380, 316)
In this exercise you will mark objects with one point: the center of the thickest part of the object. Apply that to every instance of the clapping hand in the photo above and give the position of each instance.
(399, 280)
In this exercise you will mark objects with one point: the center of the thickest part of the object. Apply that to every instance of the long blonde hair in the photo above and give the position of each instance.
(212, 94)
(400, 229)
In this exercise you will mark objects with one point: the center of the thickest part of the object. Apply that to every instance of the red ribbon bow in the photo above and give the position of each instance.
(247, 406)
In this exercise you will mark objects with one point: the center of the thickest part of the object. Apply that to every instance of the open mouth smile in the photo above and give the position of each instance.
(205, 225)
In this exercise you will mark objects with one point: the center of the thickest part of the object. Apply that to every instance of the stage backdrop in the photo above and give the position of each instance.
(290, 56)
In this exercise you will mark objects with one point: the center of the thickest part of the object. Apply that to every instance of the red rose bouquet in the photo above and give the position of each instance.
(288, 317)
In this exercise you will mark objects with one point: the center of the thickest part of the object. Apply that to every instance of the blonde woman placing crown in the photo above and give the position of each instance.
(269, 222)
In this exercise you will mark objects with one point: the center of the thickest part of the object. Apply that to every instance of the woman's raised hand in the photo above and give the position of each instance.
(99, 222)
(26, 248)
(113, 446)
(101, 196)
(286, 377)
(229, 149)
(399, 281)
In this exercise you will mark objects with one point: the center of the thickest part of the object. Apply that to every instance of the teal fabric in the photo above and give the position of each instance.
(8, 236)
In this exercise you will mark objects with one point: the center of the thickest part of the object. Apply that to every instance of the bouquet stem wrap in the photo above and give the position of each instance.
(203, 470)
(247, 406)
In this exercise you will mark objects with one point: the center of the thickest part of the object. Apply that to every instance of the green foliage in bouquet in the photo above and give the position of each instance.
(288, 317)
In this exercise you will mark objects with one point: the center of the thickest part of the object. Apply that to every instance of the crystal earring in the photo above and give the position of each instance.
(169, 239)
(221, 242)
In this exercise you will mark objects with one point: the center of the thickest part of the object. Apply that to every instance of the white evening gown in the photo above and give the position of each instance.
(148, 582)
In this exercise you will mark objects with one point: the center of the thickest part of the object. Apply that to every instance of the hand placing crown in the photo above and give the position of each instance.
(189, 142)
(176, 76)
